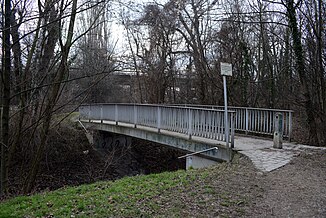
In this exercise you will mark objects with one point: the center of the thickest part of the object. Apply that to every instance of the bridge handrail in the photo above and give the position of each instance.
(256, 120)
(160, 105)
(235, 107)
(192, 121)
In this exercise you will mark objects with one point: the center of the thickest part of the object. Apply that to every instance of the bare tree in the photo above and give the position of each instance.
(42, 38)
(5, 97)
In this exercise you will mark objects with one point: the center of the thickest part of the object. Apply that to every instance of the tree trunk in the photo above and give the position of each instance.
(51, 101)
(5, 99)
(300, 66)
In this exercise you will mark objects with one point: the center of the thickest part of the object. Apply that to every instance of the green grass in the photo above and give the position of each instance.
(216, 191)
(102, 199)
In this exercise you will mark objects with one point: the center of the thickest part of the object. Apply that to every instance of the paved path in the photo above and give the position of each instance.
(264, 156)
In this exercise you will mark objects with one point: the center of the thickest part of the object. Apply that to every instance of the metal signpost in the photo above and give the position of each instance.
(226, 70)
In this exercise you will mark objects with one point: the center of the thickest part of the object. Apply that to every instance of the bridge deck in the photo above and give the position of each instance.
(195, 128)
(164, 132)
(170, 138)
(259, 150)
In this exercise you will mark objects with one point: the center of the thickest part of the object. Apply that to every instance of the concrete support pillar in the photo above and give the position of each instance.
(197, 162)
(278, 131)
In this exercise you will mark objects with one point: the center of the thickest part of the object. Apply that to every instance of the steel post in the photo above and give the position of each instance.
(226, 124)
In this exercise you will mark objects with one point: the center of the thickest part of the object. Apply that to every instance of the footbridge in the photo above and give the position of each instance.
(197, 129)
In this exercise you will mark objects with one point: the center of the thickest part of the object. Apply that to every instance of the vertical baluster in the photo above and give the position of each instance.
(162, 117)
(262, 121)
(145, 118)
(237, 115)
(259, 116)
(265, 121)
(159, 119)
(224, 128)
(215, 125)
(197, 122)
(180, 121)
(242, 120)
(101, 116)
(167, 118)
(211, 125)
(272, 122)
(135, 116)
(205, 121)
(177, 120)
(173, 119)
(219, 125)
(208, 121)
(184, 120)
(144, 111)
(205, 113)
(283, 123)
(290, 126)
(258, 120)
(250, 121)
(116, 114)
(139, 115)
(190, 124)
(217, 114)
(232, 129)
(202, 121)
(171, 122)
(153, 121)
(247, 121)
(255, 120)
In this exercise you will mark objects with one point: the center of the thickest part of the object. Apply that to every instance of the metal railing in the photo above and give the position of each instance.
(256, 120)
(191, 121)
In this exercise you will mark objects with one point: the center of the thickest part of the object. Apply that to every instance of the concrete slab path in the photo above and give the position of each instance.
(264, 156)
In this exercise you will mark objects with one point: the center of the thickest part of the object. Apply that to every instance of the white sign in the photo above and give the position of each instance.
(226, 69)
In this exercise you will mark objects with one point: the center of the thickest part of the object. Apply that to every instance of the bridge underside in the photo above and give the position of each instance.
(175, 140)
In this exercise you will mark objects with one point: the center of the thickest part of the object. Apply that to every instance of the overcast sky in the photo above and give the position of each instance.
(118, 32)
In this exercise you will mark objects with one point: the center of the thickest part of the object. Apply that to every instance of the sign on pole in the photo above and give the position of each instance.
(226, 70)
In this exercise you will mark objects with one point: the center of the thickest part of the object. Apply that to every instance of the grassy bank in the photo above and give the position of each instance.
(102, 199)
(164, 194)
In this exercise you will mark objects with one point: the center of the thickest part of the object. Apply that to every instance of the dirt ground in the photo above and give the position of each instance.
(295, 190)
(239, 190)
